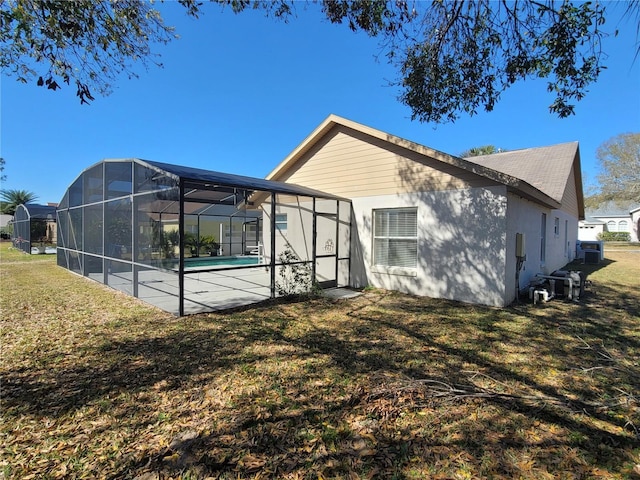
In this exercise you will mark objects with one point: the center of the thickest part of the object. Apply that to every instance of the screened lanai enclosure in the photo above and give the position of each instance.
(190, 240)
(34, 228)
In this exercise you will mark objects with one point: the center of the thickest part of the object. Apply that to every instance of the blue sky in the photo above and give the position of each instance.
(238, 92)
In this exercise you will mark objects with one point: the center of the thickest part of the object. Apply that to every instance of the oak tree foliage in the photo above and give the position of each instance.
(619, 160)
(452, 57)
(87, 42)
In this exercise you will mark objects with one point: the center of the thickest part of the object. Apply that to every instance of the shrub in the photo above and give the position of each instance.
(614, 236)
(6, 232)
(294, 275)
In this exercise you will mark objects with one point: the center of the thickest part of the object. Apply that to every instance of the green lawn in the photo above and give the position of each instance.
(98, 385)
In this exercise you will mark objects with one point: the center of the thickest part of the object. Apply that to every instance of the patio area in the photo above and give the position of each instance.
(204, 291)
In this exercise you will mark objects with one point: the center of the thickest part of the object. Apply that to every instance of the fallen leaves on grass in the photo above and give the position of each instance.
(97, 385)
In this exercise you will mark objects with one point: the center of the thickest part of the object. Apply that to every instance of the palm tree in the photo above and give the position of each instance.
(12, 198)
(477, 151)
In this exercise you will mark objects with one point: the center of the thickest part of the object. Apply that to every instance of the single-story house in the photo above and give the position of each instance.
(610, 218)
(350, 206)
(5, 219)
(429, 223)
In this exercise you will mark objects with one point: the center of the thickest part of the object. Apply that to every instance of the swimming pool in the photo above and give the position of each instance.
(220, 261)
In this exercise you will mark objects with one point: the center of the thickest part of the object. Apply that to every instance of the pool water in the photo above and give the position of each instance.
(219, 261)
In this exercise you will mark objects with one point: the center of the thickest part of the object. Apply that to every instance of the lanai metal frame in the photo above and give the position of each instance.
(112, 224)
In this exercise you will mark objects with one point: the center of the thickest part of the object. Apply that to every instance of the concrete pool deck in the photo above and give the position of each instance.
(208, 291)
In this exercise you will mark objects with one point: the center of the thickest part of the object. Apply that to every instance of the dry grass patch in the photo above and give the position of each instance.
(98, 385)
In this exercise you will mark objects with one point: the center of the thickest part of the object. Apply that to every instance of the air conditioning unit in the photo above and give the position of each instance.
(592, 257)
(588, 248)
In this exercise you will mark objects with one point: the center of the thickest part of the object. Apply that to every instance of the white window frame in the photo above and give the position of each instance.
(379, 266)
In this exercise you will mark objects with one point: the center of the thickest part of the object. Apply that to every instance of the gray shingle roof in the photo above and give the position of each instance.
(545, 168)
(610, 209)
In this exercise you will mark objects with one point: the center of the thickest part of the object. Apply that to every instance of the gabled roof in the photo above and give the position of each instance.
(613, 209)
(513, 182)
(546, 168)
(592, 221)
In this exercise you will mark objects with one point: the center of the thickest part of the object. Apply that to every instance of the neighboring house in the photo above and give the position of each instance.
(429, 223)
(635, 222)
(590, 229)
(5, 219)
(610, 218)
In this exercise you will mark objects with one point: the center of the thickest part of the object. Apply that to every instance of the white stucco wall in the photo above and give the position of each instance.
(526, 217)
(461, 245)
(5, 219)
(331, 239)
(630, 226)
(589, 231)
(635, 225)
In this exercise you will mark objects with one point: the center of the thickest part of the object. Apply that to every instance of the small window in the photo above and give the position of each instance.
(612, 226)
(281, 222)
(623, 226)
(556, 227)
(395, 237)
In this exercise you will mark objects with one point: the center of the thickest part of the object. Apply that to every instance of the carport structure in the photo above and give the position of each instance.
(191, 240)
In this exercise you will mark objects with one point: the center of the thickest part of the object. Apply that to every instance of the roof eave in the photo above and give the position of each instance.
(334, 120)
(528, 192)
(578, 179)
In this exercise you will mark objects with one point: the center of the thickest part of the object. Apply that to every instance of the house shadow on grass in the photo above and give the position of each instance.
(588, 268)
(334, 389)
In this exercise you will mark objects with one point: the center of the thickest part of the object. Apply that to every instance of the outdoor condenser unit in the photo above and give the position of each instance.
(592, 257)
(590, 251)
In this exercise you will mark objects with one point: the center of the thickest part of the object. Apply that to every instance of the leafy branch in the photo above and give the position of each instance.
(452, 57)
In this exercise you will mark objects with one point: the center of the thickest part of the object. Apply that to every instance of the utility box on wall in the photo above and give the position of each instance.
(521, 249)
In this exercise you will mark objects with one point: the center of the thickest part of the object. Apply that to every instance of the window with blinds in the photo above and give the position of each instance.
(395, 237)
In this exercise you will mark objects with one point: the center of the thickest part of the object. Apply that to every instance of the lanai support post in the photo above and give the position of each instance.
(314, 241)
(181, 251)
(272, 233)
(135, 245)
